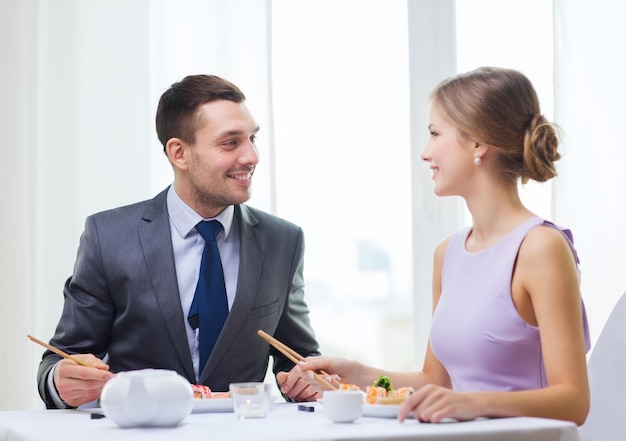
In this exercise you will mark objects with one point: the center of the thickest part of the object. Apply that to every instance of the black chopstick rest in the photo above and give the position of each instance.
(304, 408)
(97, 416)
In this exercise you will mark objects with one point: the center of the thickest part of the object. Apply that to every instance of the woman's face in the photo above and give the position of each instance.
(449, 154)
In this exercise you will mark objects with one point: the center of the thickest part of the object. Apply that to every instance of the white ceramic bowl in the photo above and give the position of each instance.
(343, 406)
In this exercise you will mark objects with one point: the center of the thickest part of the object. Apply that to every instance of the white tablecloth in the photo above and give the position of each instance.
(284, 422)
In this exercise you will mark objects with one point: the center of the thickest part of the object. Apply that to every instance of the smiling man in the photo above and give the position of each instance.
(137, 297)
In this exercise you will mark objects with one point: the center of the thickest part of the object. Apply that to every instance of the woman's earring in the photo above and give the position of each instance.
(477, 160)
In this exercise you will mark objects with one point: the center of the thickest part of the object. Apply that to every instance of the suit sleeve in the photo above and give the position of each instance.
(87, 312)
(294, 328)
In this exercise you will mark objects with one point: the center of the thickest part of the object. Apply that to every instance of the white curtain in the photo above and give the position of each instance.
(79, 86)
(590, 193)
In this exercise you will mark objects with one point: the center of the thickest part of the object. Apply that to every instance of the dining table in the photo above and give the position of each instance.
(285, 421)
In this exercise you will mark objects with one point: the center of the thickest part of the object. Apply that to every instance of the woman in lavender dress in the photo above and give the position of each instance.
(509, 332)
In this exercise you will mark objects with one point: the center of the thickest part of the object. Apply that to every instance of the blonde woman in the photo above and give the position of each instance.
(509, 332)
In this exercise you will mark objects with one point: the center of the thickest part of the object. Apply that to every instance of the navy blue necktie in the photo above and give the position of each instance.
(209, 308)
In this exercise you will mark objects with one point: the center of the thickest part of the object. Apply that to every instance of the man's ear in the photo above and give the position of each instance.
(176, 149)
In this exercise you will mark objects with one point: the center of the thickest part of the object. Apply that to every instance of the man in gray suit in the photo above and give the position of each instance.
(137, 266)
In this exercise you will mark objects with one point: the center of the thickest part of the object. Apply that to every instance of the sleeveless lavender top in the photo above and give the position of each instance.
(476, 332)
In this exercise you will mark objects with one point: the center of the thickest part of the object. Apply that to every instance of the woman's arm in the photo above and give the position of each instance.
(546, 279)
(433, 369)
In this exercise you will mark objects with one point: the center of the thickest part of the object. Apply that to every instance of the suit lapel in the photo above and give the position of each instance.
(156, 244)
(251, 255)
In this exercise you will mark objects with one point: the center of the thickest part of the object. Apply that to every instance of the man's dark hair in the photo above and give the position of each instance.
(177, 113)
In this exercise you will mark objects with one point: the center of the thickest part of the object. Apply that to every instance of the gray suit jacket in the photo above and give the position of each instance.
(123, 299)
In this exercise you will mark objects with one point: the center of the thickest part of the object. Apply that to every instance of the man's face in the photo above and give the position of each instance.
(221, 163)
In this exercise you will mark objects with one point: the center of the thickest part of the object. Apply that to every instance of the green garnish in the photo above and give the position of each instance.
(384, 381)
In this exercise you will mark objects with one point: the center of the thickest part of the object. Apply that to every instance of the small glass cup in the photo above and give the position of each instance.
(250, 400)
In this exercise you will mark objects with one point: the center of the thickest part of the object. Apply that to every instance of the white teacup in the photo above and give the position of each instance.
(147, 398)
(343, 406)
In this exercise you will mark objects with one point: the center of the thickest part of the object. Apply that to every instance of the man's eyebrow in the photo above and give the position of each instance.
(236, 132)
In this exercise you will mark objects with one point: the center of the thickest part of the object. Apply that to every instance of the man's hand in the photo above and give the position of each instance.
(78, 384)
(296, 385)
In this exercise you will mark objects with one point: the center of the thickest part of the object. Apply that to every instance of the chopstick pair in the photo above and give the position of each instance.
(284, 349)
(295, 357)
(59, 352)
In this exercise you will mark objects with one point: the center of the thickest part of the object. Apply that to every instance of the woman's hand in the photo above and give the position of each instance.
(301, 384)
(433, 404)
(332, 369)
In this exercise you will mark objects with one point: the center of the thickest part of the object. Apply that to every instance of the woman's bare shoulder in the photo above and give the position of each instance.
(544, 240)
(440, 249)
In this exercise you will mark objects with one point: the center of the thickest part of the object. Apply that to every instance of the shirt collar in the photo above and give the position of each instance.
(185, 219)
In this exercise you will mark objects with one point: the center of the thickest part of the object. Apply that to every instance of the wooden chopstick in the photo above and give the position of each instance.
(293, 356)
(59, 352)
(276, 343)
